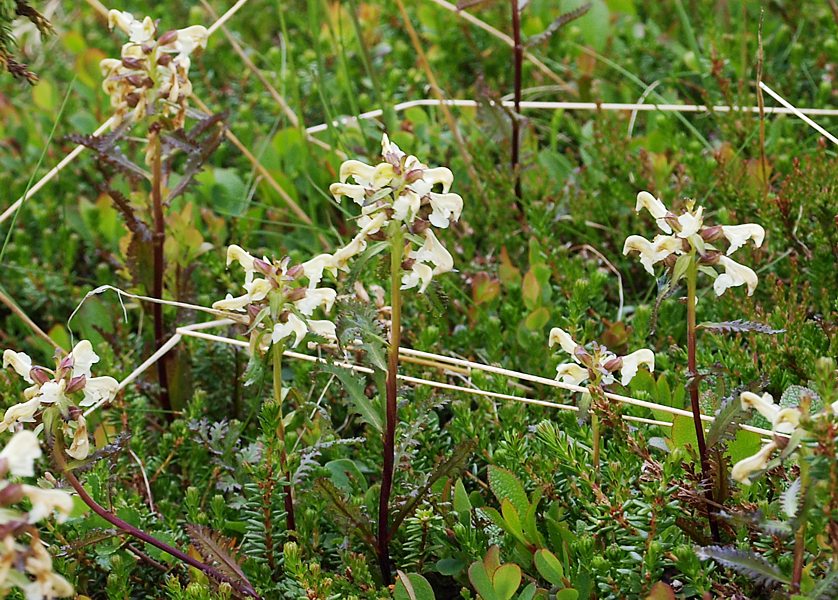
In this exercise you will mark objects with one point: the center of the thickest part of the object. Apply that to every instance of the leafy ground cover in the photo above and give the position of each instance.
(242, 471)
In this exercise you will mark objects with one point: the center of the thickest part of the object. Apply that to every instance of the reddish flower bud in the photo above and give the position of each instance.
(12, 493)
(613, 364)
(76, 384)
(253, 310)
(131, 62)
(420, 226)
(164, 60)
(265, 268)
(413, 176)
(296, 294)
(132, 100)
(40, 375)
(672, 221)
(167, 38)
(136, 80)
(709, 258)
(582, 355)
(74, 413)
(408, 263)
(711, 234)
(295, 272)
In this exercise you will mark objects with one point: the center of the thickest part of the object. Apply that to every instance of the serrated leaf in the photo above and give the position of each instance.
(505, 486)
(746, 563)
(827, 588)
(726, 418)
(219, 552)
(369, 409)
(560, 22)
(739, 326)
(790, 499)
(349, 513)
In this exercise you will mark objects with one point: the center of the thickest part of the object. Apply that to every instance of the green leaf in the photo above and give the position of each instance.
(513, 520)
(368, 409)
(505, 486)
(744, 444)
(480, 581)
(683, 433)
(728, 415)
(567, 594)
(537, 319)
(746, 563)
(680, 268)
(528, 592)
(507, 580)
(549, 567)
(412, 587)
(531, 291)
(345, 473)
(461, 502)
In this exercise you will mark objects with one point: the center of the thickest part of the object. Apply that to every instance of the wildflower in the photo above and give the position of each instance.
(45, 502)
(152, 74)
(57, 388)
(783, 421)
(277, 299)
(20, 454)
(599, 364)
(47, 583)
(403, 190)
(687, 234)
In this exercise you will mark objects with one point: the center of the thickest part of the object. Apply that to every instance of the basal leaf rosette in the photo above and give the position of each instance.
(685, 235)
(597, 364)
(401, 193)
(56, 395)
(152, 74)
(279, 302)
(25, 562)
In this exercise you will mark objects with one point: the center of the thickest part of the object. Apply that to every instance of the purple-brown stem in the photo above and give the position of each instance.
(290, 520)
(139, 533)
(158, 241)
(391, 409)
(692, 373)
(518, 50)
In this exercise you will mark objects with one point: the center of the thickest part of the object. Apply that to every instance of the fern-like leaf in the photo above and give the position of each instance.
(745, 563)
(827, 588)
(739, 326)
(560, 22)
(728, 416)
(219, 552)
(790, 499)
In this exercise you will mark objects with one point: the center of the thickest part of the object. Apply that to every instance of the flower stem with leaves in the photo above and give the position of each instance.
(290, 520)
(391, 399)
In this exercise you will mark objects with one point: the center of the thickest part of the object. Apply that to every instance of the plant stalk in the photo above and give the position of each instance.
(141, 535)
(596, 435)
(518, 52)
(692, 373)
(391, 408)
(158, 242)
(288, 490)
(800, 534)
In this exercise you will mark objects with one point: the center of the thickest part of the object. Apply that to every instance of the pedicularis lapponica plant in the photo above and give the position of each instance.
(349, 440)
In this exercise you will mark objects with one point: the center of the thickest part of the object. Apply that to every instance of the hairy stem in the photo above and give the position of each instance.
(388, 463)
(158, 242)
(141, 535)
(692, 373)
(596, 435)
(518, 51)
(800, 535)
(288, 490)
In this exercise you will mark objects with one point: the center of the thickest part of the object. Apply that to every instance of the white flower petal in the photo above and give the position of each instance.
(743, 470)
(563, 338)
(293, 326)
(20, 362)
(734, 275)
(631, 362)
(231, 303)
(738, 235)
(690, 223)
(445, 208)
(99, 390)
(83, 358)
(21, 453)
(419, 273)
(432, 251)
(406, 206)
(52, 392)
(322, 327)
(20, 413)
(655, 207)
(571, 373)
(763, 404)
(315, 298)
(441, 175)
(80, 447)
(313, 268)
(45, 501)
(358, 193)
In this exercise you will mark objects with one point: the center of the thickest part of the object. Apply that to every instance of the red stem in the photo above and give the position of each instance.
(518, 49)
(158, 242)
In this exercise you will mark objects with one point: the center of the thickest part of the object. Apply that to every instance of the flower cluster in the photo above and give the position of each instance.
(599, 364)
(783, 421)
(399, 190)
(278, 297)
(686, 235)
(150, 68)
(55, 388)
(24, 561)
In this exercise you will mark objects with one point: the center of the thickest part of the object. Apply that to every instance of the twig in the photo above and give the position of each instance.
(225, 17)
(799, 114)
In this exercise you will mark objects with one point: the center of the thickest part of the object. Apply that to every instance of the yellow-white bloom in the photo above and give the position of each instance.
(601, 362)
(20, 454)
(734, 275)
(47, 584)
(652, 252)
(80, 447)
(20, 362)
(45, 502)
(293, 326)
(746, 467)
(738, 235)
(432, 252)
(655, 207)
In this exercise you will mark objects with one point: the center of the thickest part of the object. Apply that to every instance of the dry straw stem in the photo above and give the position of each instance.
(12, 306)
(193, 332)
(466, 16)
(278, 98)
(286, 197)
(426, 66)
(798, 113)
(592, 106)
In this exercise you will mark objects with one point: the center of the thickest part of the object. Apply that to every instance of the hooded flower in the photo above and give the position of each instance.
(152, 74)
(784, 421)
(69, 385)
(598, 365)
(20, 454)
(400, 189)
(687, 234)
(277, 300)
